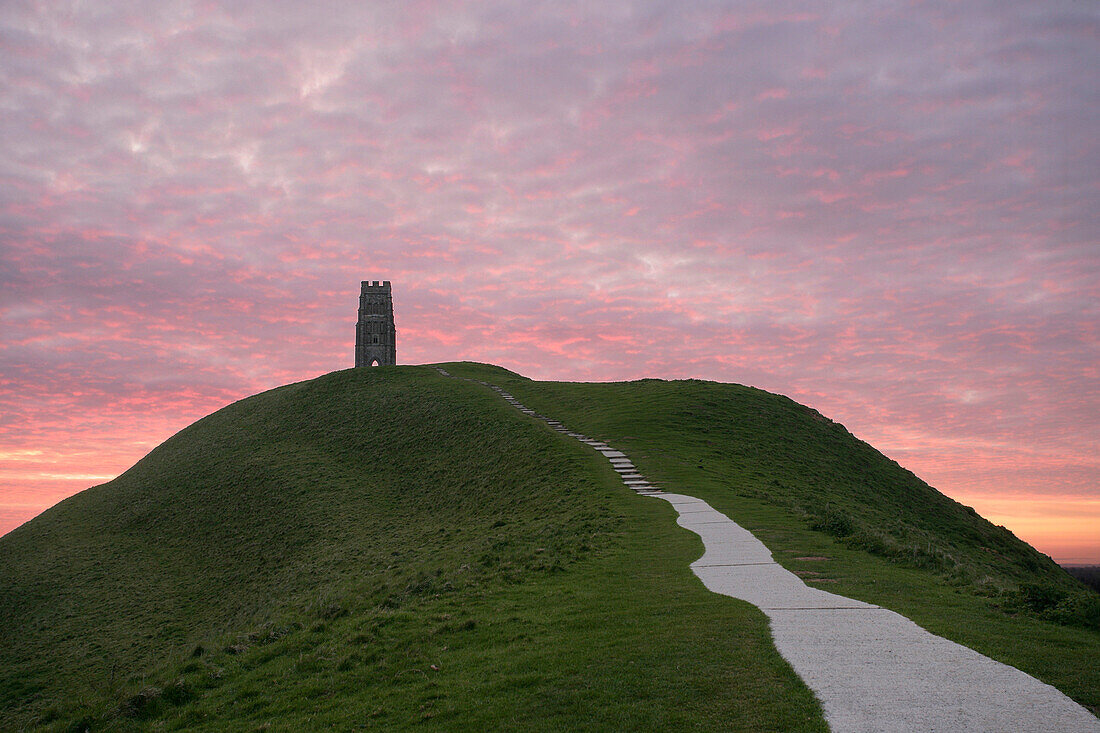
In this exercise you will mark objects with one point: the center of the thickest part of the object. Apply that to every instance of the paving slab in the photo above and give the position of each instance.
(768, 585)
(717, 536)
(703, 515)
(734, 554)
(728, 551)
(680, 500)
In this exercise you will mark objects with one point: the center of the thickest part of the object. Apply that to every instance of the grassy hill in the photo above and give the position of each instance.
(388, 548)
(836, 511)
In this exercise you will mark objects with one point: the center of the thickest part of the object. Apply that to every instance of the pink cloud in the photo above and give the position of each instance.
(890, 218)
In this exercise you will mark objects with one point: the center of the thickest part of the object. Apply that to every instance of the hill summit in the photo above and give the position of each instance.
(391, 548)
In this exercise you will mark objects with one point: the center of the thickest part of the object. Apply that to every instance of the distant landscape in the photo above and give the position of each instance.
(1087, 574)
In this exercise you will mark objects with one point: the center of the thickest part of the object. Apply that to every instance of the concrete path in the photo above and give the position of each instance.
(872, 669)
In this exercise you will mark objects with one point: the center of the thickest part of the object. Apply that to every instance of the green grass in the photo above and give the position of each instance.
(809, 489)
(391, 549)
(378, 548)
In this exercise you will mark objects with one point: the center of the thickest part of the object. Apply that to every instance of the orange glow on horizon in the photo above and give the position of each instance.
(1066, 528)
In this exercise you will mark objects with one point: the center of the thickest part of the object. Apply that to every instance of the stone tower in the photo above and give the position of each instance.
(375, 334)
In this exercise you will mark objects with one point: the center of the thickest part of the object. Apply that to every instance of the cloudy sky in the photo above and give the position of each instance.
(887, 210)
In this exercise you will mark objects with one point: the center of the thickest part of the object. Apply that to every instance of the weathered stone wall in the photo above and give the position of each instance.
(375, 332)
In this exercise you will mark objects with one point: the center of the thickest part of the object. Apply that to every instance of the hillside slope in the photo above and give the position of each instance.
(836, 511)
(374, 548)
(389, 548)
